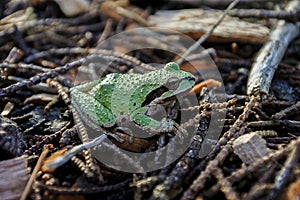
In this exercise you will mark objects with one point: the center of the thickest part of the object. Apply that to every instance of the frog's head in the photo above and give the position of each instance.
(176, 80)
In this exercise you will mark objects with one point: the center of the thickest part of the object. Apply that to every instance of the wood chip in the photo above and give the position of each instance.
(196, 22)
(7, 109)
(250, 147)
(14, 175)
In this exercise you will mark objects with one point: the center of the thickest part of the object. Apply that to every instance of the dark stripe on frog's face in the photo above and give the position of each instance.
(185, 84)
(167, 90)
(154, 94)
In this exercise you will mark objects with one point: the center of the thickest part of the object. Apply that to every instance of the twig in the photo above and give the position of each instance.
(45, 139)
(113, 7)
(61, 91)
(82, 167)
(103, 53)
(60, 160)
(90, 190)
(50, 74)
(220, 2)
(284, 173)
(29, 67)
(256, 166)
(294, 109)
(236, 130)
(225, 185)
(207, 34)
(270, 55)
(34, 173)
(41, 77)
(265, 14)
(22, 42)
(258, 191)
(199, 183)
(185, 164)
(106, 31)
(85, 139)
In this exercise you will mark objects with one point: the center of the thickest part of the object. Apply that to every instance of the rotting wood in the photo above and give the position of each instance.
(271, 53)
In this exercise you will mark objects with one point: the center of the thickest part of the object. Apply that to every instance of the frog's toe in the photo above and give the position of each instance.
(180, 131)
(167, 126)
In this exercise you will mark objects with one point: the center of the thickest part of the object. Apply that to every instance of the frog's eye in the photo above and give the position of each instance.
(172, 83)
(172, 65)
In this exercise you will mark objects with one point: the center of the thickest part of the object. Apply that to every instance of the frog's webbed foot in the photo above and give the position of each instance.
(162, 126)
(169, 125)
(166, 125)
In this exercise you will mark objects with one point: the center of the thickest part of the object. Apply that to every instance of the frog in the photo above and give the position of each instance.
(109, 100)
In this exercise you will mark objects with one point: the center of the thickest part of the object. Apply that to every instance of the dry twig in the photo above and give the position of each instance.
(271, 53)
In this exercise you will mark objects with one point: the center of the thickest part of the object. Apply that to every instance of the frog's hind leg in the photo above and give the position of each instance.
(92, 112)
(86, 86)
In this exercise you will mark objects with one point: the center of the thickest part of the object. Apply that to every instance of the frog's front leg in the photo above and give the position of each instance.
(165, 125)
(92, 112)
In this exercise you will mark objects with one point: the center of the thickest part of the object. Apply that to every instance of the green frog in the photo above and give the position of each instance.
(116, 97)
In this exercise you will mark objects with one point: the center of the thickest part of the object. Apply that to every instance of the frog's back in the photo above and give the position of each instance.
(131, 90)
(123, 93)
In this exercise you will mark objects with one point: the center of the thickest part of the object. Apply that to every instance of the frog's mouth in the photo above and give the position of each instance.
(164, 92)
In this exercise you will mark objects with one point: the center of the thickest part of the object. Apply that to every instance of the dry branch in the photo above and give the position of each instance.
(263, 14)
(285, 172)
(271, 53)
